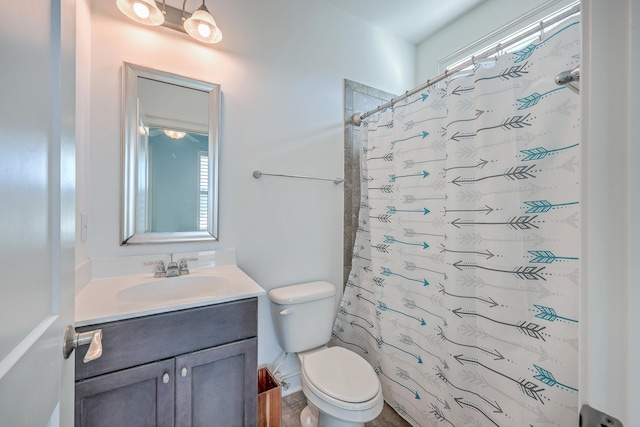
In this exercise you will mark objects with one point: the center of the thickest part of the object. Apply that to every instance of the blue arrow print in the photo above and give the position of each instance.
(548, 313)
(547, 257)
(381, 342)
(406, 339)
(423, 134)
(394, 210)
(543, 206)
(386, 272)
(534, 98)
(382, 306)
(540, 153)
(422, 98)
(525, 53)
(391, 239)
(423, 174)
(547, 378)
(379, 371)
(405, 376)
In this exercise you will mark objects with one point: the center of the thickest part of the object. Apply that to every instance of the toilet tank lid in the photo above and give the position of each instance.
(304, 292)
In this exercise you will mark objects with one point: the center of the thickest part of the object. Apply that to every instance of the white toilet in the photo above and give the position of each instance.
(340, 386)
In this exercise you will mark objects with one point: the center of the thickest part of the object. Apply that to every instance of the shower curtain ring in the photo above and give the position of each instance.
(541, 30)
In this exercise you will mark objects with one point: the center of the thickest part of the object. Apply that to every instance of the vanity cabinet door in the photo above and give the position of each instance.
(217, 387)
(142, 396)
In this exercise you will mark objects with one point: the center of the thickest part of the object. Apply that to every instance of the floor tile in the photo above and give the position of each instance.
(293, 404)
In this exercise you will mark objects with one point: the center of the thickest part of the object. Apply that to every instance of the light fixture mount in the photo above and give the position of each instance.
(200, 25)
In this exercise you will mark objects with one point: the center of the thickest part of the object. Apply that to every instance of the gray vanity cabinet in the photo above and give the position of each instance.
(131, 397)
(211, 386)
(189, 368)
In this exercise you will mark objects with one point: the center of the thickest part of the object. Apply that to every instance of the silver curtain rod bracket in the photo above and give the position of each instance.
(258, 174)
(356, 119)
(570, 79)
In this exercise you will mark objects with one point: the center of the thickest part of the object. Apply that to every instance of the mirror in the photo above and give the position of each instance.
(169, 157)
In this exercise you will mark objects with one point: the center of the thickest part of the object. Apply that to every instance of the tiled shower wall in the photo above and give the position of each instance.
(358, 98)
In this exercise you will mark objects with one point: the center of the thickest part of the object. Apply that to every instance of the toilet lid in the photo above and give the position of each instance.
(341, 374)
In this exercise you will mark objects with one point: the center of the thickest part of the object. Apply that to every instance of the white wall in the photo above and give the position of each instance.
(490, 22)
(281, 67)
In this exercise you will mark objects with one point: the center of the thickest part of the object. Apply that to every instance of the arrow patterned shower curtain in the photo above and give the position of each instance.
(464, 289)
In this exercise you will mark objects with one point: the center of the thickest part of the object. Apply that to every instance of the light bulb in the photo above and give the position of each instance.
(141, 10)
(145, 12)
(204, 30)
(174, 134)
(201, 26)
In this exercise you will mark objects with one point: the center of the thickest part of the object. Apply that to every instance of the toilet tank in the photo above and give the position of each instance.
(303, 315)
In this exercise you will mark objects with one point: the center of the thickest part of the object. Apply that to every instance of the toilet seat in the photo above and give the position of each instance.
(341, 375)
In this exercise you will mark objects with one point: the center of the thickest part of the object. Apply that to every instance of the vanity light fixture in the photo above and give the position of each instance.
(200, 25)
(174, 134)
(145, 12)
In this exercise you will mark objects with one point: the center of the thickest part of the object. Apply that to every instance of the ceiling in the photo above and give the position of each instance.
(411, 20)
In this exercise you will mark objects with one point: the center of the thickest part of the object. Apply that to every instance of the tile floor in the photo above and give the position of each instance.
(294, 403)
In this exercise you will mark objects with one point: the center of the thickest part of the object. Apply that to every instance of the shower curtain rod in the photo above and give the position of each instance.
(357, 118)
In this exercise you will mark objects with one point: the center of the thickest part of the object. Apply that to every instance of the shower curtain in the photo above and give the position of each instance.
(463, 293)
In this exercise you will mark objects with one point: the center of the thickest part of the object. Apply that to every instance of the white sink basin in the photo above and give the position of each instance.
(174, 288)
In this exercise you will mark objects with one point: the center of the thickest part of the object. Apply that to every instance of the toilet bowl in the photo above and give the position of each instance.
(341, 387)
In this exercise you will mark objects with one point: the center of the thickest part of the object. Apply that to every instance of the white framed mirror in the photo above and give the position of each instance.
(169, 157)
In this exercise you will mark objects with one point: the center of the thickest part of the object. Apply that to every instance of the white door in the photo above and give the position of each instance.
(37, 185)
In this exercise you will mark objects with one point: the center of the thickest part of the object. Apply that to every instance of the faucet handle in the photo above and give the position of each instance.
(184, 268)
(159, 271)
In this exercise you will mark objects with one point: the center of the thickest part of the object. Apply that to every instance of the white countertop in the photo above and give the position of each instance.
(101, 300)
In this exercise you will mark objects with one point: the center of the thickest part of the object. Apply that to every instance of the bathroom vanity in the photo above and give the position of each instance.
(190, 361)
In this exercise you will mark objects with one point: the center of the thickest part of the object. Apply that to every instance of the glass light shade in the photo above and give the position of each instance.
(174, 134)
(143, 11)
(201, 26)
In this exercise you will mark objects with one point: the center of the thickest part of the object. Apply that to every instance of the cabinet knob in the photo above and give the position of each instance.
(183, 372)
(165, 378)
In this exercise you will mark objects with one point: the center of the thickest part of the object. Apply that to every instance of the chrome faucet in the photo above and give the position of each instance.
(172, 270)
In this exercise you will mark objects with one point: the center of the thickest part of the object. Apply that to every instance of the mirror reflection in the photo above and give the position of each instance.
(169, 158)
(177, 180)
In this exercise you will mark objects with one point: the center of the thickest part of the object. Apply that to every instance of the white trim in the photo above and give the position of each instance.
(27, 343)
(609, 372)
